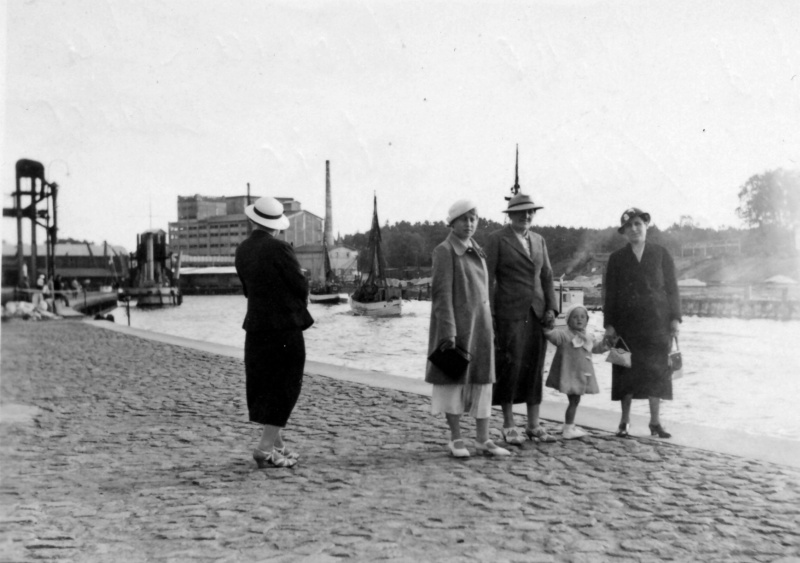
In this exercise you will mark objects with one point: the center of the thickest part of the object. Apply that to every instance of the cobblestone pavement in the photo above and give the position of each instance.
(140, 451)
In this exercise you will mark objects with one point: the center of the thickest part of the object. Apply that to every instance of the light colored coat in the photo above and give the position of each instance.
(572, 370)
(519, 280)
(460, 309)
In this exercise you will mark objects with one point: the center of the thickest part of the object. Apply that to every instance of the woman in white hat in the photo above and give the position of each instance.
(523, 302)
(274, 349)
(461, 317)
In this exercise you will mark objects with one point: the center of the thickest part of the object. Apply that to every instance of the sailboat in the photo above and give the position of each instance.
(374, 297)
(327, 293)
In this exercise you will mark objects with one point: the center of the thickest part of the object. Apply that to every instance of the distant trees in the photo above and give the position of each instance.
(771, 203)
(771, 198)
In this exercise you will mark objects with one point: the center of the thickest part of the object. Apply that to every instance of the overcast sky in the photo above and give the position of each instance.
(667, 105)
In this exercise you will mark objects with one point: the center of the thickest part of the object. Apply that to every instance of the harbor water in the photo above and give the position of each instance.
(738, 374)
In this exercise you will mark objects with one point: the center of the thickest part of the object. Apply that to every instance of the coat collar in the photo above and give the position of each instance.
(258, 233)
(514, 241)
(460, 247)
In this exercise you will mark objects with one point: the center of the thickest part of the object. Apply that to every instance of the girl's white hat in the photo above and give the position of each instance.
(459, 208)
(268, 212)
(574, 308)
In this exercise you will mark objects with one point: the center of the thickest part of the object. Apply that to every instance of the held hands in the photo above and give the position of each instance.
(610, 336)
(549, 321)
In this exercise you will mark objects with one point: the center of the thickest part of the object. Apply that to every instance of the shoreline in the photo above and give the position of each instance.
(763, 448)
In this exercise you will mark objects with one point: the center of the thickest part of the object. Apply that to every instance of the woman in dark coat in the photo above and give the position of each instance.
(274, 348)
(642, 306)
(523, 301)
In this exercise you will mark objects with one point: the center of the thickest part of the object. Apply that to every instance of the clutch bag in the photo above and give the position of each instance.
(453, 361)
(620, 356)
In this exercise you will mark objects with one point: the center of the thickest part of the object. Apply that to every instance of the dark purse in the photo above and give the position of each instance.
(453, 361)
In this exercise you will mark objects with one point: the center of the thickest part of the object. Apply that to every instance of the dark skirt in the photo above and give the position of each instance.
(273, 361)
(520, 349)
(649, 374)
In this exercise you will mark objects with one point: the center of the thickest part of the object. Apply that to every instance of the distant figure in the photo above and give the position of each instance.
(37, 296)
(523, 302)
(274, 348)
(572, 370)
(461, 317)
(643, 307)
(76, 285)
(58, 283)
(47, 292)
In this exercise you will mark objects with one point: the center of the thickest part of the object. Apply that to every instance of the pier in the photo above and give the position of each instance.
(67, 303)
(120, 444)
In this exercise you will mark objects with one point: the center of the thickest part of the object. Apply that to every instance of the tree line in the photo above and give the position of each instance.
(769, 205)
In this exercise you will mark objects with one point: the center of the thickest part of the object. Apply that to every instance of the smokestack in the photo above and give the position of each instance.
(328, 206)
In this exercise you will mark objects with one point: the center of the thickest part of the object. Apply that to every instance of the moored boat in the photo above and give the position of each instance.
(567, 297)
(152, 282)
(374, 297)
(326, 293)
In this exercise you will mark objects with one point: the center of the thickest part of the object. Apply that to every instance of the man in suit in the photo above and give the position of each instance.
(523, 300)
(277, 314)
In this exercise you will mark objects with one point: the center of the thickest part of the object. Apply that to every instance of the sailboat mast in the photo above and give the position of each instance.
(515, 187)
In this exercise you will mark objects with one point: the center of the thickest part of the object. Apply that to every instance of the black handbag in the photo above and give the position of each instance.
(453, 361)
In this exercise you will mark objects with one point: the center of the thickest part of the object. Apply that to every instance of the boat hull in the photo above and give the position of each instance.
(392, 308)
(326, 298)
(155, 297)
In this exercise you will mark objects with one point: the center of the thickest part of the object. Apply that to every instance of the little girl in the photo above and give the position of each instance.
(572, 371)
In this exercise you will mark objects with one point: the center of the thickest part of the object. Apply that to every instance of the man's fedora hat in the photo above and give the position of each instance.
(521, 202)
(629, 215)
(267, 212)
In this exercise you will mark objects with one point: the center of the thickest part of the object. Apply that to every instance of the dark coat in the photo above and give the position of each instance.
(518, 281)
(460, 309)
(641, 296)
(276, 290)
(641, 300)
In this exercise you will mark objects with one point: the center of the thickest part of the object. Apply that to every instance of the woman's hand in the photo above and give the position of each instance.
(610, 336)
(549, 320)
(674, 327)
(447, 343)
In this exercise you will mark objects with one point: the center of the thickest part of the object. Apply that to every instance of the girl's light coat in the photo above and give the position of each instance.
(460, 308)
(572, 370)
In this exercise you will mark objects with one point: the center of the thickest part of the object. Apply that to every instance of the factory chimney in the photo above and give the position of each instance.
(328, 206)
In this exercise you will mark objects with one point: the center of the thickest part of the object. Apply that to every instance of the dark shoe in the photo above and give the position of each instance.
(272, 459)
(622, 432)
(658, 430)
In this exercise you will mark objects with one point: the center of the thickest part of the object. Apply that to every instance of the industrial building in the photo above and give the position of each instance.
(209, 229)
